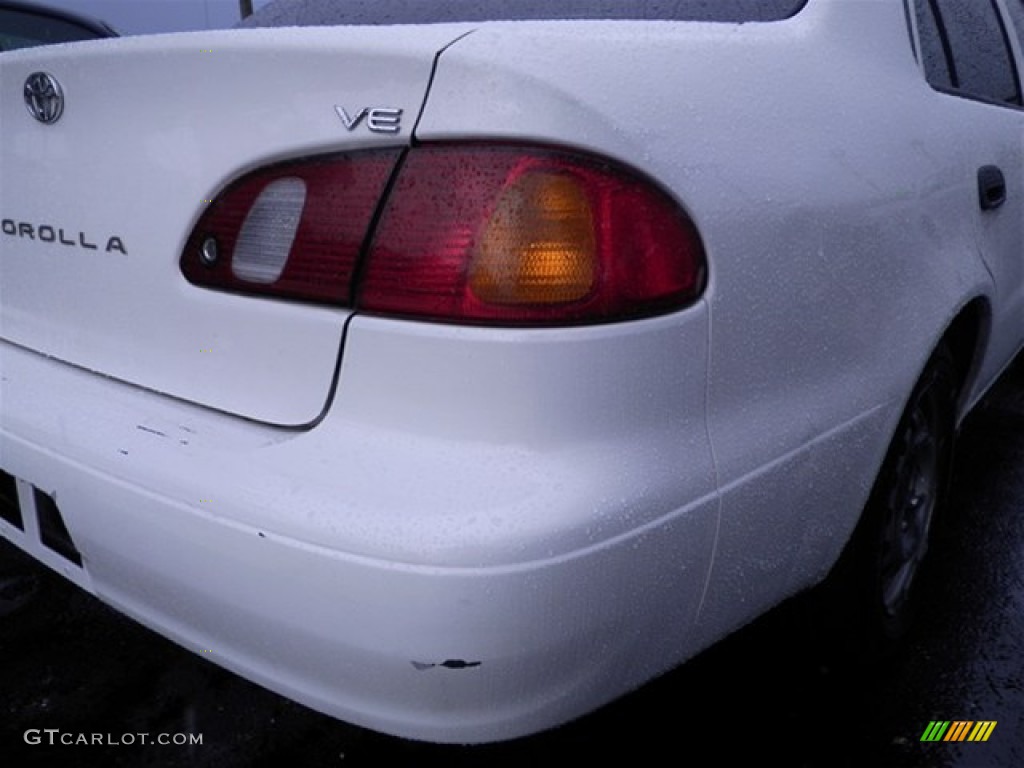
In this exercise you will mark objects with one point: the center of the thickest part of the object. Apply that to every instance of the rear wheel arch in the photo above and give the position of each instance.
(877, 579)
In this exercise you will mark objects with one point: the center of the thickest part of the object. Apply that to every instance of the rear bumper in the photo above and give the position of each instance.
(429, 582)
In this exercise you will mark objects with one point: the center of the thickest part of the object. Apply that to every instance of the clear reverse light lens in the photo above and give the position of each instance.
(268, 232)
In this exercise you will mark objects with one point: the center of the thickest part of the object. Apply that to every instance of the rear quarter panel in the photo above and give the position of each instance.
(836, 209)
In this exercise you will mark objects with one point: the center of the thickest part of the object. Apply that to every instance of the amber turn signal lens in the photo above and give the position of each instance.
(538, 245)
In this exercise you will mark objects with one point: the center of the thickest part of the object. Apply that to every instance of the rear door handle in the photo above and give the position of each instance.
(991, 187)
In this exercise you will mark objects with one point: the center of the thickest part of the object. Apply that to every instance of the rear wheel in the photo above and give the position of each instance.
(880, 573)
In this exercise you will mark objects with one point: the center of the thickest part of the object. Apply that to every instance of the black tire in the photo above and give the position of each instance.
(879, 576)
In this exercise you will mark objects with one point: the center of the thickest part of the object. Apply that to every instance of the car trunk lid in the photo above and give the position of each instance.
(97, 206)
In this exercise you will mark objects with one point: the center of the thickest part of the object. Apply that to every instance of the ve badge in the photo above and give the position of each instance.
(378, 119)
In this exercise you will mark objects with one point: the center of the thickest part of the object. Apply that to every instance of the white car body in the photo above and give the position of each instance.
(466, 533)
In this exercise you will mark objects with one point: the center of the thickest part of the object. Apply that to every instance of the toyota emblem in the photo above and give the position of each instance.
(44, 97)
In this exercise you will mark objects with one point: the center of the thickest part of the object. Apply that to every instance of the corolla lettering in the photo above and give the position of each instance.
(48, 233)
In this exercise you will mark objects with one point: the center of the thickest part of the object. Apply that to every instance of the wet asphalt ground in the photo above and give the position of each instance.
(773, 692)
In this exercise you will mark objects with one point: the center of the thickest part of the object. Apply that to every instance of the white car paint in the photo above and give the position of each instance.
(474, 533)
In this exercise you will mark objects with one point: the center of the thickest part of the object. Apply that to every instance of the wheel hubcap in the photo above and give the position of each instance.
(911, 507)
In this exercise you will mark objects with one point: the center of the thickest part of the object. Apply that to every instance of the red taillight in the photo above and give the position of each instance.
(475, 233)
(522, 235)
(293, 230)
